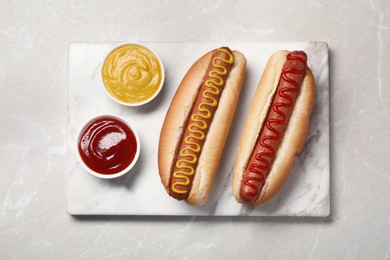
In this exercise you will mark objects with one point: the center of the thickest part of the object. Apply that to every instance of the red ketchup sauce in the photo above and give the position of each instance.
(281, 109)
(107, 145)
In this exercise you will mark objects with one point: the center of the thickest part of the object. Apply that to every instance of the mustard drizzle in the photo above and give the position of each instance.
(198, 128)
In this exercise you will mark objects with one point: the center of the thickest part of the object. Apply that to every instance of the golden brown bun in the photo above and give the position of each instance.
(294, 136)
(215, 140)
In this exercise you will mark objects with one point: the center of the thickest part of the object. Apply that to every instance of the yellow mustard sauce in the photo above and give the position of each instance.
(132, 73)
(199, 125)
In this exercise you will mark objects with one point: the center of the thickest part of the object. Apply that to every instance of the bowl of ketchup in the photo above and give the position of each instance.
(107, 146)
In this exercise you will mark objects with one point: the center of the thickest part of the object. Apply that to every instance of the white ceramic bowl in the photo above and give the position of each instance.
(107, 176)
(142, 102)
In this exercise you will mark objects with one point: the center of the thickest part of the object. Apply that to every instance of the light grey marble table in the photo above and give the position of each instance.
(34, 38)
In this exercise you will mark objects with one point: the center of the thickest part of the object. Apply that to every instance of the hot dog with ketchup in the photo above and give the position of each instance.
(275, 128)
(197, 124)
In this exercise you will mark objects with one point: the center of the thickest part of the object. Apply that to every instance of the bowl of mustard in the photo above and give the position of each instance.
(132, 74)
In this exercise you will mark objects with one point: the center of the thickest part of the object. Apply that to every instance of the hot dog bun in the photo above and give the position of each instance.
(294, 137)
(177, 115)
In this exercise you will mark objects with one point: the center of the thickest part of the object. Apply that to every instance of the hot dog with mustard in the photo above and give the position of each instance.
(197, 124)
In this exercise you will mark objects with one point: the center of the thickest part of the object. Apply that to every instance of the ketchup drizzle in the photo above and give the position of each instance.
(277, 118)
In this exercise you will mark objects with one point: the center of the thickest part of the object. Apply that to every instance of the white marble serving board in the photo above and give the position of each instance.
(306, 192)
